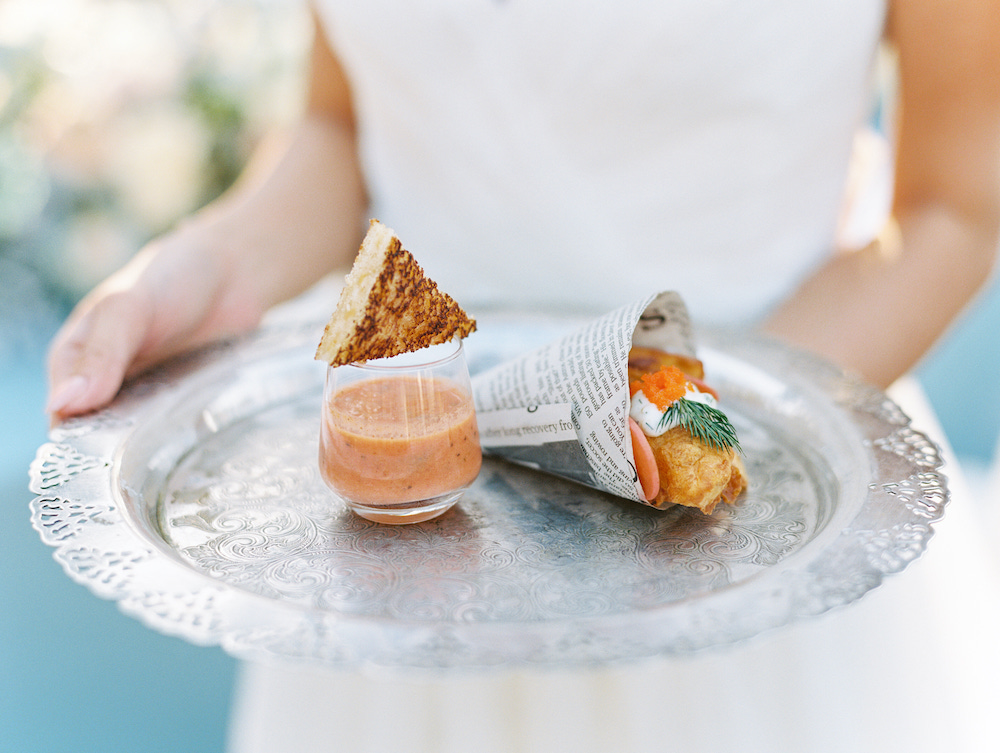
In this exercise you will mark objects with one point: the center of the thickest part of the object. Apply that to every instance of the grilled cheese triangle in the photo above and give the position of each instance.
(388, 306)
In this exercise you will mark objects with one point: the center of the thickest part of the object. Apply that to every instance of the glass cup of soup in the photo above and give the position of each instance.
(398, 436)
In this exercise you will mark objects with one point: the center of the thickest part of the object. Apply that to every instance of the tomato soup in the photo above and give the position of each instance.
(399, 439)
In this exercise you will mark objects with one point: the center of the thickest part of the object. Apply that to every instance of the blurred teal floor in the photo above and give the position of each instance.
(76, 675)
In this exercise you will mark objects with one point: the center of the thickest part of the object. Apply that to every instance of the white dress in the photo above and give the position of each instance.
(574, 151)
(541, 153)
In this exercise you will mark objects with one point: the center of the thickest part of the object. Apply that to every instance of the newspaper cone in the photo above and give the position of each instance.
(563, 408)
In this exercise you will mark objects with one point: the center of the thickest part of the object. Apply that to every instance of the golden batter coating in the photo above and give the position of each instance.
(695, 474)
(388, 306)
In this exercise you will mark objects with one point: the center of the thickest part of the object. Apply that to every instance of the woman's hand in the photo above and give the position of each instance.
(174, 295)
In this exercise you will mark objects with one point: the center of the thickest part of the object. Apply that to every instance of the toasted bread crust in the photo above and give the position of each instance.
(388, 306)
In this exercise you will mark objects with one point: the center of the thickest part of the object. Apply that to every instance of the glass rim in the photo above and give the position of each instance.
(410, 360)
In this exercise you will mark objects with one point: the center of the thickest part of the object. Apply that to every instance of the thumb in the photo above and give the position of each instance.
(91, 354)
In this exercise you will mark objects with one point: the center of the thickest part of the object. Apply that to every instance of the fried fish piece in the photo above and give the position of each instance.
(695, 474)
(643, 360)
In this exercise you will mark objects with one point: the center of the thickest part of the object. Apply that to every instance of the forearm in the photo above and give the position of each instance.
(293, 217)
(877, 311)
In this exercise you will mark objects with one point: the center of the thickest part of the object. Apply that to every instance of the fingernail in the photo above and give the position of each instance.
(67, 393)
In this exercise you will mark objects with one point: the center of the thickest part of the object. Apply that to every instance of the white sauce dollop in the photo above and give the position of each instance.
(650, 418)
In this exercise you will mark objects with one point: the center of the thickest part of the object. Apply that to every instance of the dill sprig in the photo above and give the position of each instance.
(704, 423)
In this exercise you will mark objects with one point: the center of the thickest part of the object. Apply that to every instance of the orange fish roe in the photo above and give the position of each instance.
(663, 387)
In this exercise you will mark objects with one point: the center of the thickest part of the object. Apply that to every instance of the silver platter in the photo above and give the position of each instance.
(195, 502)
